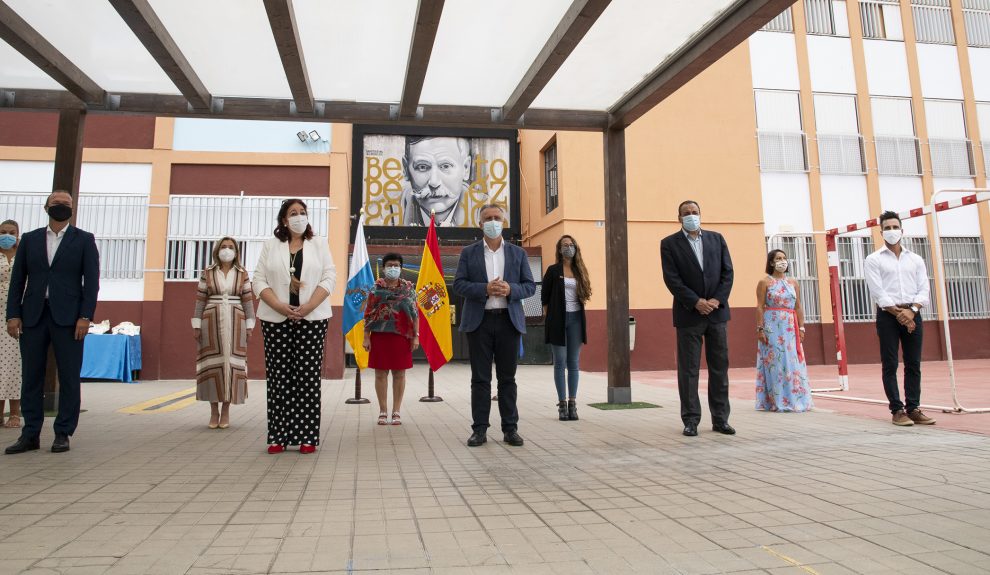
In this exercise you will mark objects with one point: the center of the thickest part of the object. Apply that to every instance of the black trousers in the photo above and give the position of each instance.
(34, 359)
(293, 364)
(496, 339)
(716, 342)
(892, 334)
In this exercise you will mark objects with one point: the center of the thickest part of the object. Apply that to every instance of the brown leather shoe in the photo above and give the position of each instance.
(901, 418)
(920, 418)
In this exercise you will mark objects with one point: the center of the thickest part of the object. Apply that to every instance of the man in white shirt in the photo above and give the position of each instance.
(898, 283)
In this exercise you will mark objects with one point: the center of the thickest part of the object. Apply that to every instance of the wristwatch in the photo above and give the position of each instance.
(915, 308)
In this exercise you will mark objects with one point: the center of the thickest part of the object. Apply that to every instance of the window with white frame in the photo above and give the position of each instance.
(119, 222)
(898, 150)
(840, 145)
(780, 138)
(782, 23)
(826, 17)
(803, 267)
(933, 21)
(196, 222)
(983, 119)
(950, 149)
(881, 19)
(856, 302)
(550, 176)
(976, 15)
(966, 286)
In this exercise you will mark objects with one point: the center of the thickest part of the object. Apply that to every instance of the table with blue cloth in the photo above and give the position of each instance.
(107, 356)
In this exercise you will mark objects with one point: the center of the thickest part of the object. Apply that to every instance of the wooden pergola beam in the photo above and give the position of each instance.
(734, 25)
(22, 37)
(420, 49)
(280, 109)
(282, 18)
(142, 20)
(579, 18)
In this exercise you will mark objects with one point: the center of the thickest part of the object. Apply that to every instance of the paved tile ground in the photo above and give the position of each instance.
(617, 492)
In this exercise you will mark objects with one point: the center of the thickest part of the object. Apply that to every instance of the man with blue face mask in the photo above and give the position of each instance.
(698, 272)
(493, 277)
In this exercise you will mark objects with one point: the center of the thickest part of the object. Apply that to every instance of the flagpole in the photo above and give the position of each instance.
(431, 398)
(357, 387)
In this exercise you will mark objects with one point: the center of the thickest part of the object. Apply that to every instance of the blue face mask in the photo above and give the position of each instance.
(393, 272)
(7, 241)
(691, 223)
(492, 228)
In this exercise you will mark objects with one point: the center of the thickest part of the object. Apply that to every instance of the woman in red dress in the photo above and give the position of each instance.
(391, 333)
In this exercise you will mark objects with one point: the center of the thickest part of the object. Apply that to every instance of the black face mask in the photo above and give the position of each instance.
(59, 212)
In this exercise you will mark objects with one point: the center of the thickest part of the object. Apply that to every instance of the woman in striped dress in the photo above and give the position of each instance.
(222, 325)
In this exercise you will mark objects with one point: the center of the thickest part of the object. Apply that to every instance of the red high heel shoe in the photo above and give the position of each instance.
(276, 448)
(307, 448)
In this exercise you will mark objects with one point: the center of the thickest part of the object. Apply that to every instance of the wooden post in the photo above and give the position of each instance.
(68, 164)
(617, 267)
(430, 397)
(357, 388)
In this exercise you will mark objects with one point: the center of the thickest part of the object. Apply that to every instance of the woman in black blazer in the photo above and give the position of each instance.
(566, 288)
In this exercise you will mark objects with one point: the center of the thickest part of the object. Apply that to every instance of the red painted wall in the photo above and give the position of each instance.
(39, 129)
(210, 179)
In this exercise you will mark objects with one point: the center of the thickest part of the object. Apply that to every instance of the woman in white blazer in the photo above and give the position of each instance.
(293, 279)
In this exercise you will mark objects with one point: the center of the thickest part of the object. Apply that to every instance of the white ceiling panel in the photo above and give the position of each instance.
(18, 71)
(92, 36)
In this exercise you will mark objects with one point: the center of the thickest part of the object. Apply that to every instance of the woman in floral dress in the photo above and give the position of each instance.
(781, 371)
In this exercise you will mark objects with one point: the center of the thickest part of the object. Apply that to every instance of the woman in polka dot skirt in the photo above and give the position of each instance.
(293, 279)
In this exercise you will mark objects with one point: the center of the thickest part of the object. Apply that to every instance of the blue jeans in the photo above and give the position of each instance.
(567, 355)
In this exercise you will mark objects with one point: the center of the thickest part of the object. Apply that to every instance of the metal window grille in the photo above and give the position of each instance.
(872, 15)
(119, 222)
(841, 154)
(933, 21)
(898, 155)
(782, 151)
(195, 222)
(818, 17)
(782, 23)
(856, 303)
(976, 15)
(966, 286)
(952, 157)
(550, 176)
(803, 267)
(922, 247)
(985, 144)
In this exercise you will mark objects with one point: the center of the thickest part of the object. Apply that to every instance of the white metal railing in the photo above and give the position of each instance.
(898, 155)
(782, 151)
(803, 267)
(196, 222)
(966, 286)
(782, 23)
(841, 154)
(856, 303)
(818, 17)
(951, 157)
(976, 16)
(933, 21)
(119, 222)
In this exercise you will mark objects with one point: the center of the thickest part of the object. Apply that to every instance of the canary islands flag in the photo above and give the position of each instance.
(360, 282)
(434, 304)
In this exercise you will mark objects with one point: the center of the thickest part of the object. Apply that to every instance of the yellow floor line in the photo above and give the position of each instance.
(790, 560)
(163, 404)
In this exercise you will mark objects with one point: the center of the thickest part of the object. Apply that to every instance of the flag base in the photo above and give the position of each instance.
(431, 398)
(358, 400)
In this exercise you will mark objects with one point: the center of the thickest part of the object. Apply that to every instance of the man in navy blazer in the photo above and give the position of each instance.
(53, 289)
(493, 277)
(698, 272)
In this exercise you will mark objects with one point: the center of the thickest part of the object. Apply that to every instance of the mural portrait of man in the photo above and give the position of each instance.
(438, 172)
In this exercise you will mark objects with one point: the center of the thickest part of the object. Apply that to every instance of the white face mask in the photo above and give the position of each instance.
(226, 255)
(393, 272)
(691, 223)
(492, 228)
(780, 266)
(892, 236)
(298, 224)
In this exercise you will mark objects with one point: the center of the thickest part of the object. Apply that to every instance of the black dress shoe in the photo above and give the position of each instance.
(513, 438)
(477, 438)
(21, 445)
(723, 428)
(61, 443)
(690, 430)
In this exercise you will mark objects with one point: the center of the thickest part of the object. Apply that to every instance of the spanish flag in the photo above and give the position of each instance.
(434, 304)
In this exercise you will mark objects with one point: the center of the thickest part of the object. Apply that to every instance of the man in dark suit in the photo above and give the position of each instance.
(493, 277)
(53, 289)
(698, 272)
